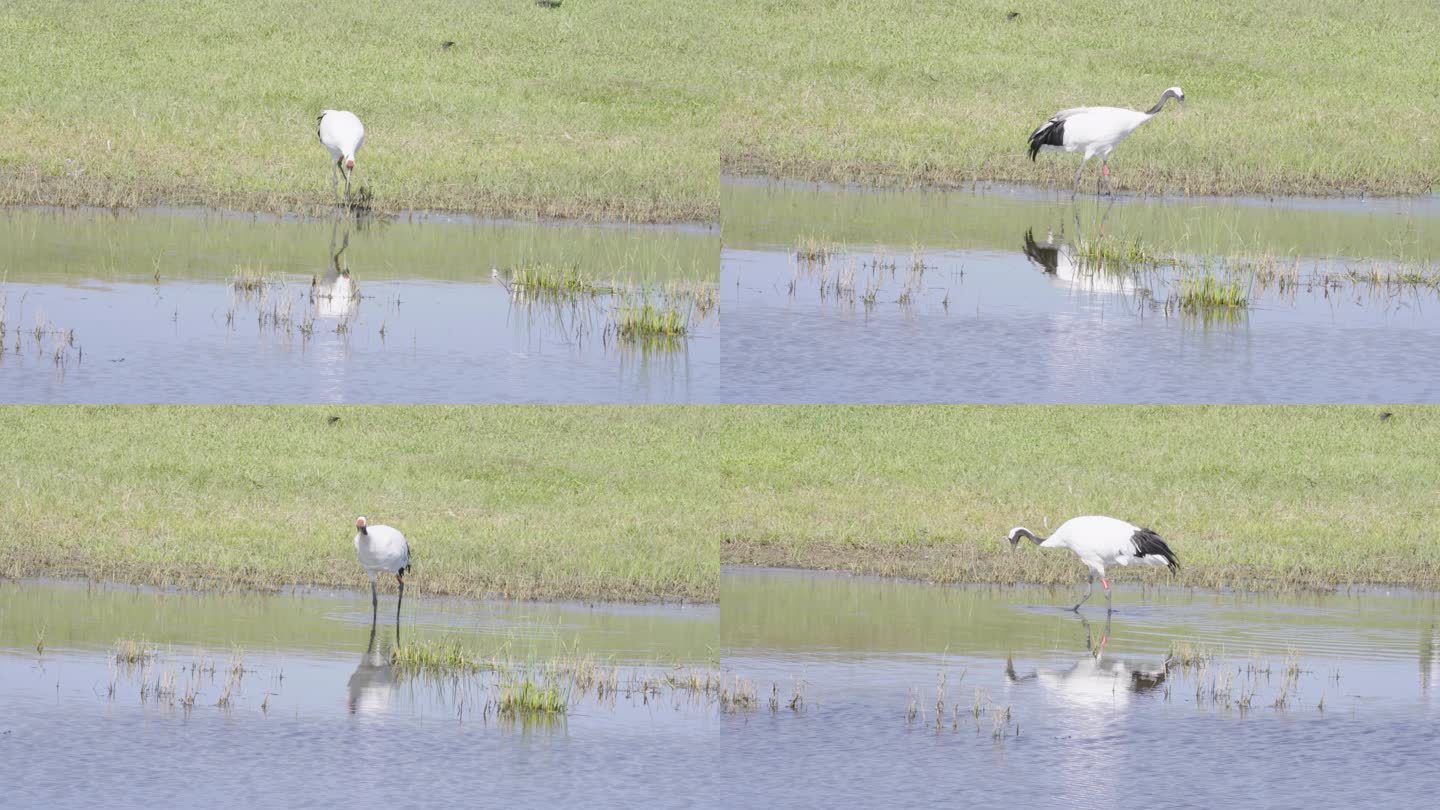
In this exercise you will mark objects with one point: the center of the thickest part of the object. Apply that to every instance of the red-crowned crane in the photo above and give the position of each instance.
(381, 548)
(1100, 541)
(1094, 131)
(342, 134)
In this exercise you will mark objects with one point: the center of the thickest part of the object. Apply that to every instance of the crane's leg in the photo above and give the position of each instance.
(400, 578)
(335, 180)
(1105, 173)
(1078, 170)
(1088, 590)
(374, 601)
(1108, 609)
(347, 187)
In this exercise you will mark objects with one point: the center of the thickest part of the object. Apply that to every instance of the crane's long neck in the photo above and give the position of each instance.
(1024, 532)
(1160, 105)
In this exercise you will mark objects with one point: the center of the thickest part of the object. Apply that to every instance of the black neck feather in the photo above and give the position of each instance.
(1159, 105)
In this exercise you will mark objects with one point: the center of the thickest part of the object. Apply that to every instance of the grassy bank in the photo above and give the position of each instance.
(1247, 496)
(639, 502)
(575, 111)
(1302, 98)
(609, 503)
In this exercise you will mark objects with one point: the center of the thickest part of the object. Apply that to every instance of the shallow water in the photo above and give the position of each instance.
(1095, 715)
(145, 308)
(983, 298)
(316, 714)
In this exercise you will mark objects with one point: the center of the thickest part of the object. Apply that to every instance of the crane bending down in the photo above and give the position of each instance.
(340, 132)
(381, 548)
(1094, 131)
(1100, 541)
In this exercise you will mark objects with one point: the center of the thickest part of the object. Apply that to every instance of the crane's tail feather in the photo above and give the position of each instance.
(1148, 543)
(1050, 133)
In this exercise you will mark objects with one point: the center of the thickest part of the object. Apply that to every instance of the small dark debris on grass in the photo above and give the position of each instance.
(332, 420)
(1012, 15)
(1385, 415)
(447, 44)
(548, 3)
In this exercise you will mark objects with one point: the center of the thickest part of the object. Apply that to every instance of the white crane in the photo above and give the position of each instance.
(1094, 131)
(1100, 541)
(342, 134)
(381, 548)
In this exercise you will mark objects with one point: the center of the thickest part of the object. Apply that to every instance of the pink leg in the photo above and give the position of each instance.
(1105, 582)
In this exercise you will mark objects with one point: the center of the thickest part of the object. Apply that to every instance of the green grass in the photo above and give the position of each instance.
(1109, 253)
(641, 502)
(644, 320)
(1248, 496)
(1207, 291)
(524, 697)
(525, 501)
(1302, 98)
(630, 110)
(590, 110)
(555, 281)
(435, 657)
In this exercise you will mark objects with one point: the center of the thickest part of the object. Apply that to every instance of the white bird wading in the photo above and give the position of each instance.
(381, 548)
(342, 134)
(1100, 541)
(1094, 131)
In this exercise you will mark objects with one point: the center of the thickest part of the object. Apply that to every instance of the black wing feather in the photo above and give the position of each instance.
(1050, 133)
(1147, 542)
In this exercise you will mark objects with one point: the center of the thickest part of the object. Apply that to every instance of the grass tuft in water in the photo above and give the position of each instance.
(526, 697)
(554, 280)
(738, 695)
(812, 250)
(646, 320)
(1110, 253)
(132, 652)
(1209, 292)
(251, 280)
(434, 658)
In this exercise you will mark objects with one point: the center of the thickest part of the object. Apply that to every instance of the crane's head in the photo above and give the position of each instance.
(1019, 532)
(360, 523)
(349, 163)
(1177, 94)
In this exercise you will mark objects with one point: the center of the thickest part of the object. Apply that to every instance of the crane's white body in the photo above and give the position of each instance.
(1096, 131)
(342, 134)
(1100, 542)
(1093, 131)
(382, 548)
